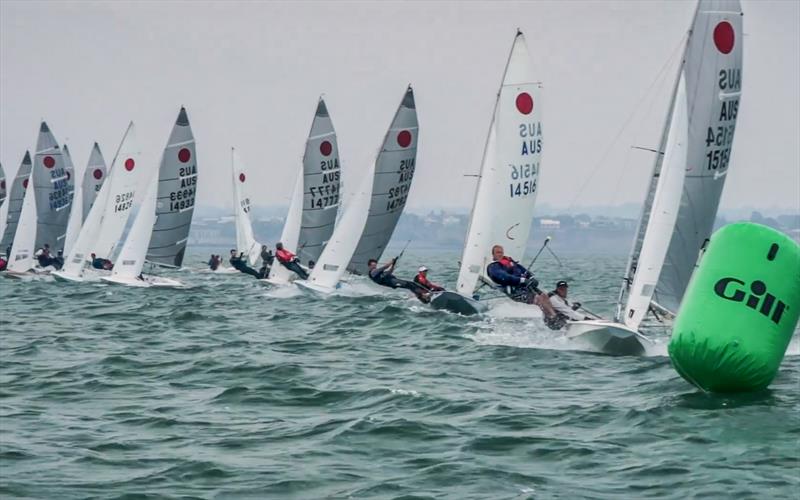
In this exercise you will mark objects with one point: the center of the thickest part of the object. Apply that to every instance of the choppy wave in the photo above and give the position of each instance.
(232, 389)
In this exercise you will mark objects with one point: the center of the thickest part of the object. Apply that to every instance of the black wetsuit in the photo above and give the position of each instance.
(266, 262)
(98, 263)
(383, 277)
(240, 264)
(213, 263)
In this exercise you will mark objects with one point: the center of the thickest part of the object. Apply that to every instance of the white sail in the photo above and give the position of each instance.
(394, 173)
(131, 258)
(76, 210)
(245, 241)
(106, 221)
(15, 200)
(93, 178)
(20, 258)
(278, 274)
(664, 211)
(332, 264)
(713, 70)
(504, 199)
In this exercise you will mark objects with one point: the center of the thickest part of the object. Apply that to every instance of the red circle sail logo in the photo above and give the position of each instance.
(242, 177)
(184, 155)
(524, 103)
(97, 174)
(724, 37)
(49, 162)
(129, 164)
(404, 138)
(325, 148)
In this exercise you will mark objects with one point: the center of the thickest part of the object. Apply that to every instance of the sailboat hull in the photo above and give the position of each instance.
(313, 289)
(149, 282)
(457, 303)
(609, 337)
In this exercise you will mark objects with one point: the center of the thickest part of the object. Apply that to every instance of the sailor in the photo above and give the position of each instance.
(564, 310)
(311, 263)
(97, 262)
(213, 262)
(58, 260)
(240, 264)
(383, 276)
(266, 261)
(289, 261)
(422, 280)
(517, 282)
(3, 263)
(43, 255)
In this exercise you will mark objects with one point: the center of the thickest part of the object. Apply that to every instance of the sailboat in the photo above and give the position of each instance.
(130, 261)
(15, 201)
(245, 241)
(315, 201)
(686, 182)
(52, 188)
(371, 214)
(393, 175)
(177, 189)
(502, 212)
(106, 221)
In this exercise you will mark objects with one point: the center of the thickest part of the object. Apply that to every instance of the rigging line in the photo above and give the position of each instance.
(628, 120)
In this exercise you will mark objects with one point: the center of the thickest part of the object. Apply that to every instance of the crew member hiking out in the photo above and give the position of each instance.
(266, 260)
(383, 276)
(101, 263)
(518, 283)
(564, 310)
(214, 262)
(289, 261)
(240, 264)
(43, 256)
(422, 280)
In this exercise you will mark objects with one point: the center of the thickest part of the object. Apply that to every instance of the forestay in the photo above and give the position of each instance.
(15, 201)
(93, 179)
(106, 221)
(502, 212)
(51, 190)
(177, 188)
(394, 172)
(245, 241)
(713, 72)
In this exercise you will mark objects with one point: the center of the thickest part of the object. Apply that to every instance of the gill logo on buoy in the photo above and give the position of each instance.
(733, 289)
(508, 231)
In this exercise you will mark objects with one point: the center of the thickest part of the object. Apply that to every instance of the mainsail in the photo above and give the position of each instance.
(710, 71)
(52, 191)
(394, 172)
(93, 179)
(106, 221)
(312, 212)
(504, 200)
(245, 241)
(177, 188)
(15, 201)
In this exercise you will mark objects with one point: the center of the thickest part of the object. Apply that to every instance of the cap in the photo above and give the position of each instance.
(422, 269)
(561, 283)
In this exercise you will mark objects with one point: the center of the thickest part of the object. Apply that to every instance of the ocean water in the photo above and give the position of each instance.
(230, 389)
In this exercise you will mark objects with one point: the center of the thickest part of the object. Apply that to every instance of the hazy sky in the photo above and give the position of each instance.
(250, 74)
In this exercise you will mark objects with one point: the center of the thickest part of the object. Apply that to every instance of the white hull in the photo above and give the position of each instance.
(313, 289)
(608, 337)
(148, 282)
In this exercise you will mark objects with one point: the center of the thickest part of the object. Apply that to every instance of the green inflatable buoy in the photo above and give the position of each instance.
(739, 311)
